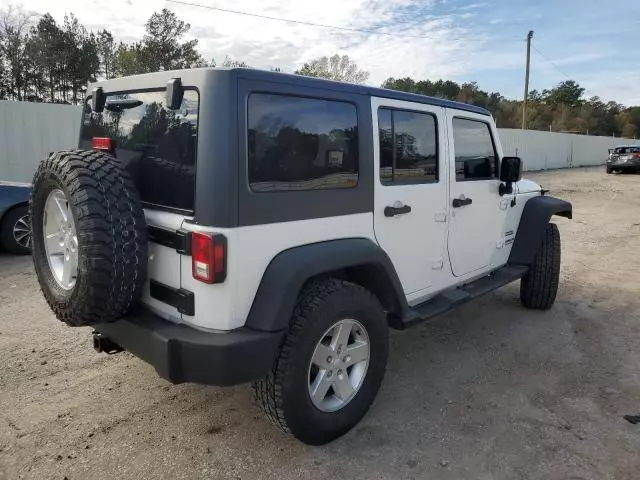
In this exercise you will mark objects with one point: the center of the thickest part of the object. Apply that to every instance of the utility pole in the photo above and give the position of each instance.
(526, 81)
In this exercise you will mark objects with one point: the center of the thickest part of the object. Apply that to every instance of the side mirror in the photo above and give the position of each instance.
(98, 99)
(175, 92)
(510, 171)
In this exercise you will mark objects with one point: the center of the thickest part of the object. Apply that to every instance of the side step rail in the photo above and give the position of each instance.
(450, 299)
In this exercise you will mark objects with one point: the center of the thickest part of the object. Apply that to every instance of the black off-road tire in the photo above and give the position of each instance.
(111, 232)
(609, 169)
(7, 238)
(283, 394)
(539, 287)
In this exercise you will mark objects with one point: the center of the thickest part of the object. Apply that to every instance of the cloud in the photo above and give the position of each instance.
(459, 39)
(268, 43)
(474, 6)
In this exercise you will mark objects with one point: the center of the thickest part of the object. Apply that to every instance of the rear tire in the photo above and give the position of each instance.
(285, 393)
(110, 236)
(14, 231)
(539, 287)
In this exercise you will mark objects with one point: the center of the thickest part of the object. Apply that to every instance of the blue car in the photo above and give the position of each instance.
(15, 225)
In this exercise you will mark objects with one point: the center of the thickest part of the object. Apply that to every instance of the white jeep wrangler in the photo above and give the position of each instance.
(237, 225)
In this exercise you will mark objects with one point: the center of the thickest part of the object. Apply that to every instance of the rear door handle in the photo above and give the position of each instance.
(399, 210)
(461, 202)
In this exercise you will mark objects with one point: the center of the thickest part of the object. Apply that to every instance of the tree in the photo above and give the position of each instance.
(161, 48)
(107, 51)
(47, 50)
(337, 67)
(126, 60)
(229, 63)
(14, 25)
(567, 93)
(81, 59)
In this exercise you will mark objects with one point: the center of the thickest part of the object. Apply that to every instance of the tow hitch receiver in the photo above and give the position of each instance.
(104, 344)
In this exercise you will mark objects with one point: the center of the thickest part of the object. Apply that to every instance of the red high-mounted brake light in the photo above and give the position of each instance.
(209, 257)
(102, 143)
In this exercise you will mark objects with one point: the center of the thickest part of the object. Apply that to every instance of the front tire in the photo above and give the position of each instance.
(539, 287)
(331, 363)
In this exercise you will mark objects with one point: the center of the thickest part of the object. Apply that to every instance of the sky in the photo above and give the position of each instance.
(592, 41)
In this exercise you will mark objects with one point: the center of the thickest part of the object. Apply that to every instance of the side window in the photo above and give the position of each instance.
(408, 147)
(475, 153)
(297, 143)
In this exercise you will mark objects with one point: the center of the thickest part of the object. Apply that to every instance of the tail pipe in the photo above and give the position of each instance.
(102, 343)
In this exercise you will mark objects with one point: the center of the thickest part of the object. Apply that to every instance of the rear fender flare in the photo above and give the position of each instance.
(288, 271)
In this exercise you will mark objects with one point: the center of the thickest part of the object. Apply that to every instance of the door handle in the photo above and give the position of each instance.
(399, 210)
(461, 202)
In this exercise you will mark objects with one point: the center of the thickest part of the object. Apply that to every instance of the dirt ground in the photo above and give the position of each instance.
(490, 391)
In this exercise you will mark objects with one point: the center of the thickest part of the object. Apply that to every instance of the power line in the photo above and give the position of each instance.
(565, 74)
(320, 25)
(551, 63)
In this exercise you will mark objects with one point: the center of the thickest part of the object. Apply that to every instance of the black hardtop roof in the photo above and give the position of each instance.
(269, 76)
(198, 75)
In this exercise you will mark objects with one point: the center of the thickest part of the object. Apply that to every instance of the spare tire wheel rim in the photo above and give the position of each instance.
(22, 231)
(339, 365)
(60, 239)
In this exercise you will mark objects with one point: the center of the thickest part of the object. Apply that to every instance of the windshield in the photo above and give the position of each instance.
(157, 145)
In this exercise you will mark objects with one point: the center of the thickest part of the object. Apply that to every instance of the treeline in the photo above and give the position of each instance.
(560, 109)
(44, 61)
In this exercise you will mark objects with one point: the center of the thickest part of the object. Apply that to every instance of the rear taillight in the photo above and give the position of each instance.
(636, 155)
(102, 143)
(209, 257)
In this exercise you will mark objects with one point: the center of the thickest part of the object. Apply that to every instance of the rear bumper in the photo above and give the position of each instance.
(629, 166)
(183, 354)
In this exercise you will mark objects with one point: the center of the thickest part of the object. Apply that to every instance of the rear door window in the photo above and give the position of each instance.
(157, 145)
(408, 147)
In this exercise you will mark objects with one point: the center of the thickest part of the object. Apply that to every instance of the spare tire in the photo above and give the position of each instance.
(89, 243)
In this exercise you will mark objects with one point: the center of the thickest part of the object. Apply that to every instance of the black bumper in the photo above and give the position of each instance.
(183, 354)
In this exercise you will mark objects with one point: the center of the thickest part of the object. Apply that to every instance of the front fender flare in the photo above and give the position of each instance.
(536, 214)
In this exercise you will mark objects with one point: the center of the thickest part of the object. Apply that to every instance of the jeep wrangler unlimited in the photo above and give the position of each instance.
(236, 225)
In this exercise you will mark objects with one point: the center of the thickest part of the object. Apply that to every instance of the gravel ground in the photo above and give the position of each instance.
(490, 391)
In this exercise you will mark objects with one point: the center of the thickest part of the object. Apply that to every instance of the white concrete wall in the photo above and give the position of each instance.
(548, 150)
(29, 131)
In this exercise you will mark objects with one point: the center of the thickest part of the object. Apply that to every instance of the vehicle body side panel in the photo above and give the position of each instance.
(13, 194)
(251, 249)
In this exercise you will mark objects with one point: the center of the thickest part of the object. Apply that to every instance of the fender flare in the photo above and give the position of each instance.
(288, 271)
(536, 214)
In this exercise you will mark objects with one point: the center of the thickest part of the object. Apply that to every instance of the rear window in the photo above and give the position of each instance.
(623, 150)
(156, 145)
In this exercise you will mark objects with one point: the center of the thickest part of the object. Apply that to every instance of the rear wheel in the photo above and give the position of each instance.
(89, 237)
(330, 365)
(15, 230)
(539, 287)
